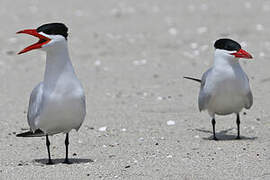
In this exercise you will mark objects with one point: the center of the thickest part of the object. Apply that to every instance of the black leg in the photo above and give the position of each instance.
(238, 126)
(48, 148)
(67, 143)
(214, 129)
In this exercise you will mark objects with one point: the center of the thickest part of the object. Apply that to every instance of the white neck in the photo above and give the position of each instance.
(222, 58)
(57, 64)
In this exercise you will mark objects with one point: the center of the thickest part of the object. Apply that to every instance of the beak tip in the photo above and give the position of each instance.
(20, 52)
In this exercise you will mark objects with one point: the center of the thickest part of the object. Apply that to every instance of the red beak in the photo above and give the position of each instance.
(242, 54)
(42, 40)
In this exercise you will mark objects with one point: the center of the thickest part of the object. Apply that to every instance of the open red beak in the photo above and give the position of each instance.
(242, 54)
(42, 40)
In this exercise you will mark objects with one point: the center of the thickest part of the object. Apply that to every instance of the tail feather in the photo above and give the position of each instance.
(37, 133)
(194, 79)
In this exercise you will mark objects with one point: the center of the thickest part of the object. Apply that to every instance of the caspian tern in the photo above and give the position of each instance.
(57, 104)
(225, 86)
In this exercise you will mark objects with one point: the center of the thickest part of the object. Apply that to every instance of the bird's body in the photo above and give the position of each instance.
(225, 86)
(57, 104)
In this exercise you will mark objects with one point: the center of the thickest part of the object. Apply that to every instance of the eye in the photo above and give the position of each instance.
(48, 31)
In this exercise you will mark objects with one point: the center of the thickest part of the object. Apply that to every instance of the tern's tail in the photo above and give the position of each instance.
(37, 133)
(194, 79)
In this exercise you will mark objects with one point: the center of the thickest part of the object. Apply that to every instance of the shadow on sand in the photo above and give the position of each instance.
(61, 160)
(224, 136)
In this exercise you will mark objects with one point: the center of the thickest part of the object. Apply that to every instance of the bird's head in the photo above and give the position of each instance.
(231, 49)
(49, 36)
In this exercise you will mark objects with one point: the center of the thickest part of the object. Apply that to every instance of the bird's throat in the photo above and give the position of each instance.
(58, 65)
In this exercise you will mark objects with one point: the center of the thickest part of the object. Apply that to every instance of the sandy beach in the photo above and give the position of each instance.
(142, 117)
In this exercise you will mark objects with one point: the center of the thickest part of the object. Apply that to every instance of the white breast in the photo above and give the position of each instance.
(62, 112)
(229, 91)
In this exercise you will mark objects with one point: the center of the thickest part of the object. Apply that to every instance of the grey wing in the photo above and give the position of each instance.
(249, 96)
(83, 104)
(204, 96)
(34, 106)
(249, 100)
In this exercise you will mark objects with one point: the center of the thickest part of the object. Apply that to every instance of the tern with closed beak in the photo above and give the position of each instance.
(225, 86)
(57, 104)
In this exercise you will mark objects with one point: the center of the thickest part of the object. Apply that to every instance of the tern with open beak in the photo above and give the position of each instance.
(225, 86)
(57, 104)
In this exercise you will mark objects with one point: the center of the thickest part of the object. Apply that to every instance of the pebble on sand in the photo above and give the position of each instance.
(170, 123)
(139, 62)
(104, 128)
(197, 136)
(202, 30)
(173, 31)
(97, 63)
(259, 27)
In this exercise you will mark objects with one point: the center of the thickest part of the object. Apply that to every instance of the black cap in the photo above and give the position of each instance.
(227, 44)
(54, 29)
